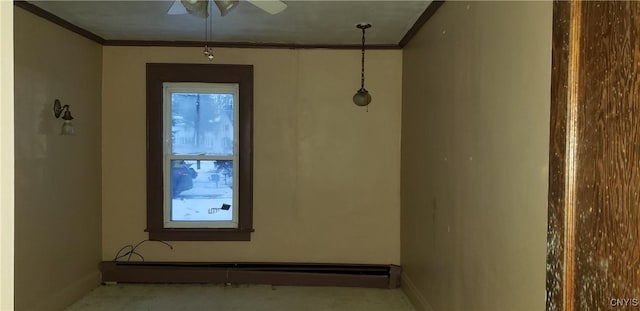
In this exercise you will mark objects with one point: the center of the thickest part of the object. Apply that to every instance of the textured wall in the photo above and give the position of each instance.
(475, 141)
(326, 172)
(57, 182)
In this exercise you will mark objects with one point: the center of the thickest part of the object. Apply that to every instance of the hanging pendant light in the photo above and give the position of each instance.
(362, 96)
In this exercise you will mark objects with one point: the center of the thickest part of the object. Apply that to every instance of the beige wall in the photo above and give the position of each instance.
(475, 128)
(326, 173)
(58, 242)
(6, 156)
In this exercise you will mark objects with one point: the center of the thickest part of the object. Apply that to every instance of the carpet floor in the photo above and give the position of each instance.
(240, 297)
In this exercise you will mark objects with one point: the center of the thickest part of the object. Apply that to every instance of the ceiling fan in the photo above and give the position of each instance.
(200, 8)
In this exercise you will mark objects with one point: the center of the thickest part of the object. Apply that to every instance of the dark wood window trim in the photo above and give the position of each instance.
(157, 74)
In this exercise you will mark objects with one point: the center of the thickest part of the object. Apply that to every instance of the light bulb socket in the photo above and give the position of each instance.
(67, 116)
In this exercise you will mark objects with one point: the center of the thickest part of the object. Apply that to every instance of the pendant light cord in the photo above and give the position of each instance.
(362, 72)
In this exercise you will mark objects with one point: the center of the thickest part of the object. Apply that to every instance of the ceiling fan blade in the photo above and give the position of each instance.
(224, 6)
(177, 8)
(270, 6)
(199, 8)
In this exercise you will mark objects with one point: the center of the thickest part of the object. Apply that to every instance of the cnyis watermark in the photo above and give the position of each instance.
(624, 302)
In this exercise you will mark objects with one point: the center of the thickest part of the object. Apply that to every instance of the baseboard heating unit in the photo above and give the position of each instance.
(295, 274)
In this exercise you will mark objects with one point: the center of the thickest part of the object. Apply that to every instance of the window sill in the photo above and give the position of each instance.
(200, 234)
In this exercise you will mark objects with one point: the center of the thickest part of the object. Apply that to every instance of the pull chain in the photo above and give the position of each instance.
(208, 28)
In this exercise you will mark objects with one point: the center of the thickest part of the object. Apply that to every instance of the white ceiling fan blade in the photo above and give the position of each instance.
(225, 6)
(270, 6)
(177, 8)
(198, 8)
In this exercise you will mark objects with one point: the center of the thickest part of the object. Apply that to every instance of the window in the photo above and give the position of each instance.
(199, 152)
(200, 155)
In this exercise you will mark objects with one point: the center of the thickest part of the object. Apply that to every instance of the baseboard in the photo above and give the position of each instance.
(68, 293)
(295, 274)
(414, 295)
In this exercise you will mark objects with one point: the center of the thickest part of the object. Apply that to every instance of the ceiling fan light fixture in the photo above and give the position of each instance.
(225, 6)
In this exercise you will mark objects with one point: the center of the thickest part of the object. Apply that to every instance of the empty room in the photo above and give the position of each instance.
(319, 155)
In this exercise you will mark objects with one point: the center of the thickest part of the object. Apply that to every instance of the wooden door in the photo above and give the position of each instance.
(594, 188)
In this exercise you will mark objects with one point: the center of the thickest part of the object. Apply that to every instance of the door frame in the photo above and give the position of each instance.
(562, 155)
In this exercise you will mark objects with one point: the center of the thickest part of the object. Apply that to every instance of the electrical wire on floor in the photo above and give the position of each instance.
(132, 250)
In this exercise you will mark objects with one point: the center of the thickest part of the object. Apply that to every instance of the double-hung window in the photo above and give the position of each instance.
(200, 155)
(199, 152)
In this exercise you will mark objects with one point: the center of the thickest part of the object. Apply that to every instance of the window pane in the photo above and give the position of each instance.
(201, 190)
(202, 124)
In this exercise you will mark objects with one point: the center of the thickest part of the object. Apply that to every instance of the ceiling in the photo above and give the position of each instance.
(302, 23)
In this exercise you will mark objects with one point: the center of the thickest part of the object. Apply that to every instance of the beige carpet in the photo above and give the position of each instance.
(240, 297)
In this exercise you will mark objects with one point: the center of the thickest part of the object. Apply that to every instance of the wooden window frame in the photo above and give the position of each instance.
(157, 74)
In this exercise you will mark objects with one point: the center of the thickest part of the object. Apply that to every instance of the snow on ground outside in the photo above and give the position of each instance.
(204, 201)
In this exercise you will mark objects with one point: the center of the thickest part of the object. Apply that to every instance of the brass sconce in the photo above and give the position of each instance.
(67, 126)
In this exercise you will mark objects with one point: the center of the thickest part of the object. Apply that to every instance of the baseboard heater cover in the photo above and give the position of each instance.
(295, 274)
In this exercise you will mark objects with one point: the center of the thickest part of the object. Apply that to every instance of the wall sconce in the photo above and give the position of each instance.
(67, 126)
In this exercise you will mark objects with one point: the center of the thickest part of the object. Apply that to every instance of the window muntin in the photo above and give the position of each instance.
(200, 155)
